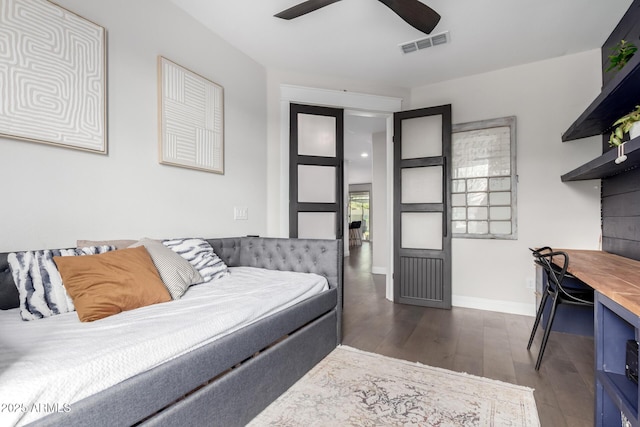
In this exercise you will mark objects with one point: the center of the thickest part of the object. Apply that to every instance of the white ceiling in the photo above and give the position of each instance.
(358, 39)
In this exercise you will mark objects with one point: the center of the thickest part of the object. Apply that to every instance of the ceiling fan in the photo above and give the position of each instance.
(414, 12)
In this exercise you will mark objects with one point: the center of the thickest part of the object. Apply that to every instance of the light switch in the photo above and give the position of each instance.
(240, 213)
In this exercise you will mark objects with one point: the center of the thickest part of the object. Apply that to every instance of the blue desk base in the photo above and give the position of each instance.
(570, 319)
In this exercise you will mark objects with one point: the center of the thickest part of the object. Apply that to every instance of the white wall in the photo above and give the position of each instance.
(546, 97)
(54, 196)
(379, 227)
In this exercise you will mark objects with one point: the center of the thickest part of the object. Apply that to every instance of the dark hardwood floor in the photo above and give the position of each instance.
(478, 342)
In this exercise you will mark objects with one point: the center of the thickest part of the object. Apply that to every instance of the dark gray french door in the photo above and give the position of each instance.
(422, 239)
(315, 172)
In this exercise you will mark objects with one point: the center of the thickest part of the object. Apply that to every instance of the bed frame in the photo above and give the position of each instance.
(231, 380)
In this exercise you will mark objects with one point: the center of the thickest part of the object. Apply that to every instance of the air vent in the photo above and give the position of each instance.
(424, 43)
(434, 40)
(439, 39)
(409, 47)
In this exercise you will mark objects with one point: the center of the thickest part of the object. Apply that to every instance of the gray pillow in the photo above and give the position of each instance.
(175, 271)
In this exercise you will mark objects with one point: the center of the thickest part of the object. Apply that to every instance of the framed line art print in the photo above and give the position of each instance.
(191, 119)
(52, 76)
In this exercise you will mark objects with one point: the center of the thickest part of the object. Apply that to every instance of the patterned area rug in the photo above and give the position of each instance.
(354, 388)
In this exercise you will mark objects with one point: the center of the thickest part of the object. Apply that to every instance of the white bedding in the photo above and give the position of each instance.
(59, 360)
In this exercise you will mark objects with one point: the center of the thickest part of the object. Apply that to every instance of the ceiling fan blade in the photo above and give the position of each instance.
(415, 13)
(304, 8)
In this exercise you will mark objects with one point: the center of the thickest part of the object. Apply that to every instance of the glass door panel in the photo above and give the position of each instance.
(316, 135)
(421, 137)
(422, 185)
(316, 225)
(422, 230)
(316, 184)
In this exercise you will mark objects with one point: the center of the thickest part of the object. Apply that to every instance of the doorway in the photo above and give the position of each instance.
(359, 210)
(355, 105)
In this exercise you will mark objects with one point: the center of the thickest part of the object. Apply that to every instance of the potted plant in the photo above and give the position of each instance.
(629, 123)
(622, 53)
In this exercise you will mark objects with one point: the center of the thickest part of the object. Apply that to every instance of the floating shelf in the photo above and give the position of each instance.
(605, 166)
(618, 98)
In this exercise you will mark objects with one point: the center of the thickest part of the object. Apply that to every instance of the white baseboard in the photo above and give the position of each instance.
(379, 270)
(494, 305)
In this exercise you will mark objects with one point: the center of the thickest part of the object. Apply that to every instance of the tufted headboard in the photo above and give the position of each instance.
(228, 249)
(323, 257)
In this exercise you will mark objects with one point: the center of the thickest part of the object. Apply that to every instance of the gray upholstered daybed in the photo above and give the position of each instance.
(230, 380)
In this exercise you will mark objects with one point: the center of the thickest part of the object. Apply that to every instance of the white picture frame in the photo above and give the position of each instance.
(53, 76)
(191, 119)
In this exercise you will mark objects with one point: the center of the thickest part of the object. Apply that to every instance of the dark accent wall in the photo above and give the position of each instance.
(621, 214)
(621, 193)
(627, 29)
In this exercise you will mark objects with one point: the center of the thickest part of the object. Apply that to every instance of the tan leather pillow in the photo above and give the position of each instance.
(109, 283)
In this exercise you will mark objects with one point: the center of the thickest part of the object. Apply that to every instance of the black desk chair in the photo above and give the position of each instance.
(562, 287)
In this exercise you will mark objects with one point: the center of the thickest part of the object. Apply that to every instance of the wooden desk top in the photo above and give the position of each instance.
(612, 275)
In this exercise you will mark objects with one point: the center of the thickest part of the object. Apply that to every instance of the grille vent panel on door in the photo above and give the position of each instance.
(417, 271)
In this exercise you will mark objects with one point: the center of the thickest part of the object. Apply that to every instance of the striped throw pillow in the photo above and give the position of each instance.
(200, 254)
(42, 293)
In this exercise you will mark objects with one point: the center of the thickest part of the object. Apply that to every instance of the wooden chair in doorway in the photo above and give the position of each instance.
(355, 238)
